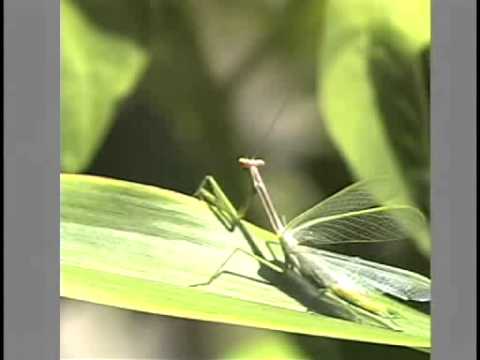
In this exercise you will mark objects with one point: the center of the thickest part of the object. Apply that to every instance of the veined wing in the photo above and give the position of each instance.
(355, 215)
(382, 223)
(394, 281)
(361, 195)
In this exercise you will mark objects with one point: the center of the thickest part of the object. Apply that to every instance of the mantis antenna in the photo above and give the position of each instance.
(271, 126)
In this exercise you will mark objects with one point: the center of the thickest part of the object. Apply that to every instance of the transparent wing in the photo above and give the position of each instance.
(354, 215)
(383, 223)
(358, 196)
(394, 281)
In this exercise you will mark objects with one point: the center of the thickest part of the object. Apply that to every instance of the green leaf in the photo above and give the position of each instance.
(140, 247)
(99, 69)
(374, 92)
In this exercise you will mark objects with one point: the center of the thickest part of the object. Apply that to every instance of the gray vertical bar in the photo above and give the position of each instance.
(453, 90)
(31, 187)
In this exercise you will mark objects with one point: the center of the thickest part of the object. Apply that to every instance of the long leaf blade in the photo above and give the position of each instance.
(140, 247)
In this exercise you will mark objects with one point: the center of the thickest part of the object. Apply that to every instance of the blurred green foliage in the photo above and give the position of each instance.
(271, 346)
(166, 92)
(374, 92)
(98, 70)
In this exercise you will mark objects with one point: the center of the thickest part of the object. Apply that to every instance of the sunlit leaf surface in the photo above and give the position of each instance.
(140, 247)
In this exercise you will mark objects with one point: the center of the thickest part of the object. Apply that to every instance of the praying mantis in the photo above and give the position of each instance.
(354, 214)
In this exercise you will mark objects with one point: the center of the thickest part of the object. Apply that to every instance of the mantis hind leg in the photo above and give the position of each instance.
(221, 270)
